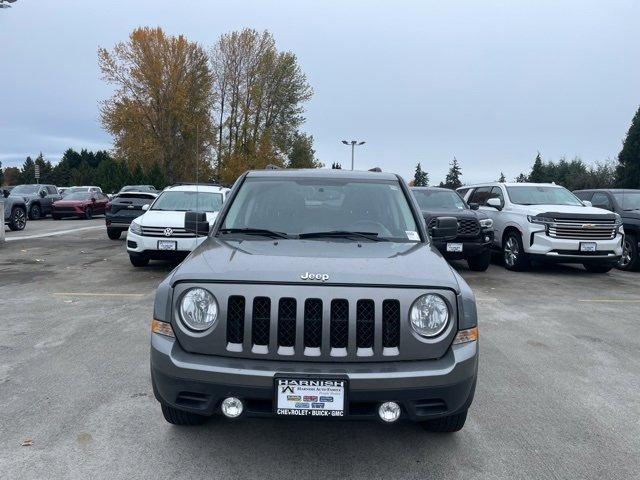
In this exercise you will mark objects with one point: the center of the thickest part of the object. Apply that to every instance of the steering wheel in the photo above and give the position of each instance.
(370, 226)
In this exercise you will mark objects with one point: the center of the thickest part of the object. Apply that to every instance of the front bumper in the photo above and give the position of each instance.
(471, 247)
(542, 247)
(68, 212)
(425, 389)
(138, 245)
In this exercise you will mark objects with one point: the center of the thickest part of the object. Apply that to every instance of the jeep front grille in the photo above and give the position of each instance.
(580, 229)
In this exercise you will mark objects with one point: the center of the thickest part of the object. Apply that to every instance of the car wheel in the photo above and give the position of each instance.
(18, 219)
(114, 233)
(88, 213)
(629, 259)
(35, 212)
(138, 261)
(180, 417)
(513, 254)
(479, 263)
(597, 268)
(449, 424)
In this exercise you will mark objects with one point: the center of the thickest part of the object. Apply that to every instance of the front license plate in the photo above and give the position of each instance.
(454, 247)
(167, 245)
(310, 397)
(587, 246)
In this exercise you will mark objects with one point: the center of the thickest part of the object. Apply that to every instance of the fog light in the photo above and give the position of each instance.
(389, 412)
(232, 407)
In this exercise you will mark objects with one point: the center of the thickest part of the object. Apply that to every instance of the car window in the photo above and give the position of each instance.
(628, 200)
(25, 190)
(541, 195)
(188, 201)
(52, 190)
(438, 199)
(584, 195)
(480, 195)
(601, 200)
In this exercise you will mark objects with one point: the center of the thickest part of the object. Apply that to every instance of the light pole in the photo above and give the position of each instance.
(353, 144)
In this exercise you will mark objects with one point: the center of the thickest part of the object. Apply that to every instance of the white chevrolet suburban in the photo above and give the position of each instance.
(159, 233)
(546, 222)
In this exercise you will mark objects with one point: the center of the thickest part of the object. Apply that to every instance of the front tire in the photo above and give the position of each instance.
(629, 260)
(88, 213)
(114, 233)
(597, 268)
(138, 261)
(479, 263)
(180, 417)
(513, 254)
(18, 219)
(35, 212)
(450, 424)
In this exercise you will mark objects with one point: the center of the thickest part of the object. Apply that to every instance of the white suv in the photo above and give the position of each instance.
(542, 221)
(159, 233)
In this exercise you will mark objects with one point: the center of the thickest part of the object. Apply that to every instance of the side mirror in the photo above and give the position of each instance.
(495, 203)
(196, 222)
(42, 194)
(93, 199)
(474, 206)
(587, 203)
(145, 207)
(446, 227)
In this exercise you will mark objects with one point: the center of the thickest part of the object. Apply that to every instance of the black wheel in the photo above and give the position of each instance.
(114, 233)
(449, 424)
(597, 268)
(18, 219)
(138, 261)
(180, 417)
(513, 254)
(479, 263)
(88, 213)
(629, 259)
(35, 212)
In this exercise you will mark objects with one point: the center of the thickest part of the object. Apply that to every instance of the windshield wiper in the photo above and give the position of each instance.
(630, 209)
(344, 234)
(255, 231)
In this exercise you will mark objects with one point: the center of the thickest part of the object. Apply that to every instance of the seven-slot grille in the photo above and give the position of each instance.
(314, 326)
(580, 229)
(467, 227)
(174, 232)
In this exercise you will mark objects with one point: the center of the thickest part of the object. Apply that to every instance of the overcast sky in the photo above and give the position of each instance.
(491, 82)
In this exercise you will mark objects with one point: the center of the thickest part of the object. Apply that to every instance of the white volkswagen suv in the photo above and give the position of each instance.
(546, 222)
(159, 233)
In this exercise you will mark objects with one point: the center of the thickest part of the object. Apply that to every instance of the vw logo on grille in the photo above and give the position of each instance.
(168, 232)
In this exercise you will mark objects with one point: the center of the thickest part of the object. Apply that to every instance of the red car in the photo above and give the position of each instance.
(80, 204)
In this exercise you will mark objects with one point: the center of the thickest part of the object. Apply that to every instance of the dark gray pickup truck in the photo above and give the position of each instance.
(15, 211)
(317, 294)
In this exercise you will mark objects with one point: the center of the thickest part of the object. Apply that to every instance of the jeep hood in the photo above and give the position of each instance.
(346, 263)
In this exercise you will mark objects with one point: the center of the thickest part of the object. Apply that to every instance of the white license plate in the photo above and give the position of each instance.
(588, 246)
(310, 397)
(167, 245)
(454, 247)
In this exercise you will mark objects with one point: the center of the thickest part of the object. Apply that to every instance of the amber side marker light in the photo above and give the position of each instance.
(465, 336)
(163, 328)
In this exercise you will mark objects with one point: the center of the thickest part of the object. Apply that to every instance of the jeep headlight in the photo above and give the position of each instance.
(135, 228)
(429, 315)
(486, 223)
(198, 309)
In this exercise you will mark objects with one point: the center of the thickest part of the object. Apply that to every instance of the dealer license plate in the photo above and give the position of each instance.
(454, 247)
(587, 246)
(310, 397)
(167, 245)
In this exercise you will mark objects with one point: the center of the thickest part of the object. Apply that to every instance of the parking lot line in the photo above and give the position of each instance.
(51, 234)
(608, 300)
(87, 294)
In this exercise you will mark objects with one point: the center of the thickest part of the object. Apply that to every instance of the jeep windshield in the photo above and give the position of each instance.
(176, 201)
(326, 209)
(438, 200)
(542, 195)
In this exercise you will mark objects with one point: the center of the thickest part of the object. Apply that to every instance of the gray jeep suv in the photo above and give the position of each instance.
(318, 293)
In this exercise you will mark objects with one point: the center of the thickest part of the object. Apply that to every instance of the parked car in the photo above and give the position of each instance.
(80, 204)
(626, 203)
(15, 211)
(316, 294)
(38, 198)
(546, 222)
(62, 191)
(123, 208)
(138, 188)
(474, 238)
(159, 233)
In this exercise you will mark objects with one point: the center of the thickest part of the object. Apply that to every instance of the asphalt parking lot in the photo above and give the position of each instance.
(557, 395)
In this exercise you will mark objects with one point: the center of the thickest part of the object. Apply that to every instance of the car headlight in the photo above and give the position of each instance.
(429, 315)
(486, 223)
(618, 219)
(198, 309)
(537, 219)
(135, 228)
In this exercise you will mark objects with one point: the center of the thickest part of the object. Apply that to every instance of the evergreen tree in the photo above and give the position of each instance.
(502, 178)
(46, 169)
(156, 177)
(1, 175)
(420, 177)
(538, 174)
(302, 154)
(83, 175)
(336, 166)
(452, 180)
(138, 176)
(628, 169)
(28, 172)
(522, 178)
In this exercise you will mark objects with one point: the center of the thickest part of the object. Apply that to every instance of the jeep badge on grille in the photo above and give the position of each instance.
(323, 277)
